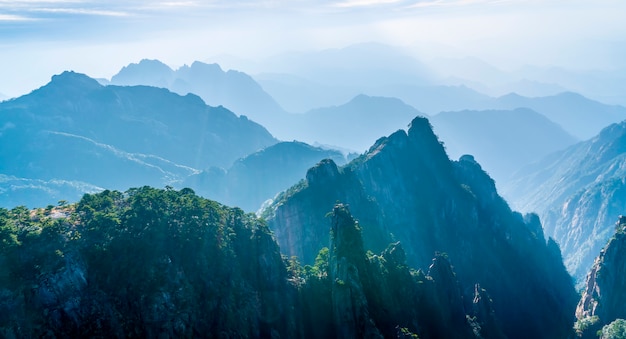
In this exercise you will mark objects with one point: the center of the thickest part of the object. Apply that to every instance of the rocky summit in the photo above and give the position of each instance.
(405, 188)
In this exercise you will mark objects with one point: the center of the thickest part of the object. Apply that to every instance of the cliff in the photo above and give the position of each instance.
(405, 188)
(603, 297)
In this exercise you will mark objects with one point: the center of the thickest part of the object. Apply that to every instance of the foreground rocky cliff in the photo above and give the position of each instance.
(155, 263)
(146, 263)
(405, 188)
(604, 295)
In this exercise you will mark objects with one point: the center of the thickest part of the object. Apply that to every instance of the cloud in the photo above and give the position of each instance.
(14, 18)
(365, 3)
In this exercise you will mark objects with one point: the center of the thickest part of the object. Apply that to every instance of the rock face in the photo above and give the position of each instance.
(374, 296)
(347, 260)
(406, 188)
(577, 192)
(603, 297)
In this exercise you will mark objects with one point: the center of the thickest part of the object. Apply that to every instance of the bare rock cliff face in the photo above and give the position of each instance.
(604, 295)
(406, 189)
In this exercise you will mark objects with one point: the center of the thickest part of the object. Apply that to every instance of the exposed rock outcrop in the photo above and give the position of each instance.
(604, 295)
(405, 188)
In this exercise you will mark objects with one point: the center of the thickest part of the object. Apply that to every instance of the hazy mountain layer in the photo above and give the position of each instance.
(406, 188)
(74, 129)
(252, 180)
(354, 125)
(503, 141)
(235, 90)
(577, 192)
(580, 116)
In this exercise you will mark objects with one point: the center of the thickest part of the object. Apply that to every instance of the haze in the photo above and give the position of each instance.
(42, 38)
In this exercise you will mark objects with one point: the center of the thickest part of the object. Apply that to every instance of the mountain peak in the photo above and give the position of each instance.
(69, 83)
(146, 72)
(74, 79)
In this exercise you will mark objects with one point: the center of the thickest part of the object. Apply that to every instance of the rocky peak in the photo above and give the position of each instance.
(604, 295)
(69, 82)
(347, 263)
(146, 72)
(324, 172)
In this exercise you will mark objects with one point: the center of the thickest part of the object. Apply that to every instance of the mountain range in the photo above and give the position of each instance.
(502, 140)
(187, 259)
(577, 192)
(77, 131)
(234, 90)
(406, 189)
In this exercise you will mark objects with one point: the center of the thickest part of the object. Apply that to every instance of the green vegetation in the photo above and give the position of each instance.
(614, 330)
(140, 263)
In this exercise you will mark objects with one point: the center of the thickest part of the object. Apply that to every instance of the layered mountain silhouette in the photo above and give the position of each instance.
(252, 180)
(234, 90)
(577, 192)
(406, 188)
(354, 125)
(74, 129)
(502, 140)
(580, 116)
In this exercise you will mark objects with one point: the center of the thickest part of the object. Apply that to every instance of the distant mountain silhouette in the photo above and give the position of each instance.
(75, 129)
(252, 180)
(580, 116)
(234, 90)
(353, 125)
(502, 140)
(577, 192)
(299, 95)
(364, 65)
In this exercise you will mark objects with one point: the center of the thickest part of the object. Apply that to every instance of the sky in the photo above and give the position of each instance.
(40, 38)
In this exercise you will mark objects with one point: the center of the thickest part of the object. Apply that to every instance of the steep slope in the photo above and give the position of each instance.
(406, 188)
(75, 129)
(252, 180)
(503, 141)
(234, 90)
(351, 293)
(603, 297)
(192, 267)
(576, 192)
(144, 263)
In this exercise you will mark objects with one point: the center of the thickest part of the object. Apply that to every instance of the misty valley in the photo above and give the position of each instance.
(360, 193)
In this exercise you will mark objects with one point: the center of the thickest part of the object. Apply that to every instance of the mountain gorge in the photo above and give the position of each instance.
(406, 188)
